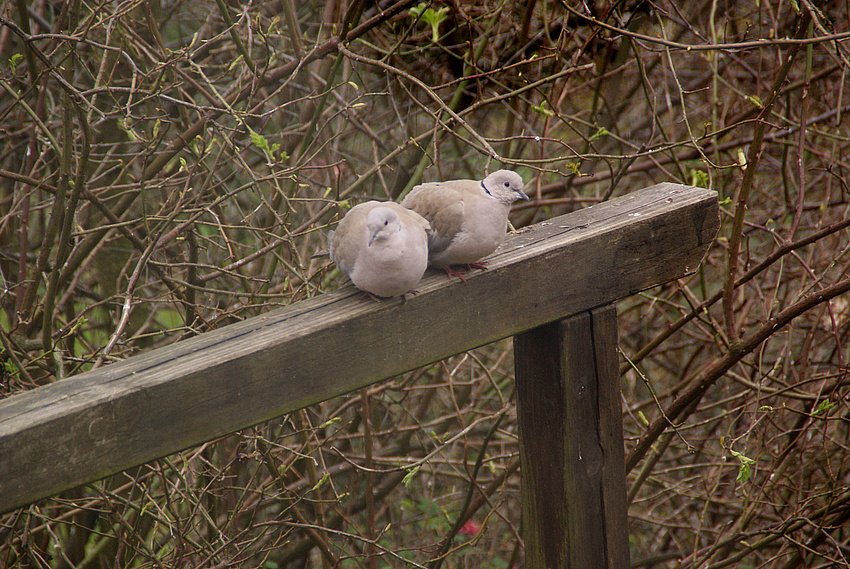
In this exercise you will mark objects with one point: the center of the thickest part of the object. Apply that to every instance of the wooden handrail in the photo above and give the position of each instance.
(97, 423)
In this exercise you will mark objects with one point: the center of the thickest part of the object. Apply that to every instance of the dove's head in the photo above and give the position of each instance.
(505, 186)
(381, 222)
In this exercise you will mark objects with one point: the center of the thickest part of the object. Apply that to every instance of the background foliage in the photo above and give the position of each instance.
(168, 167)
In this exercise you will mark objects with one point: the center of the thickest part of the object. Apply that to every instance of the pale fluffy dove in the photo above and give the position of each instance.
(382, 247)
(468, 218)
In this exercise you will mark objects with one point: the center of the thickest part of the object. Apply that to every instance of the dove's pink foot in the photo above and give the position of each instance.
(453, 273)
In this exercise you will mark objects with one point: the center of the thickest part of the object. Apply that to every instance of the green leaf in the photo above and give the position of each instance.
(744, 473)
(273, 25)
(14, 61)
(321, 482)
(330, 422)
(823, 407)
(126, 127)
(745, 470)
(236, 62)
(81, 322)
(437, 437)
(542, 110)
(600, 133)
(260, 142)
(418, 9)
(574, 168)
(11, 369)
(430, 16)
(699, 178)
(408, 478)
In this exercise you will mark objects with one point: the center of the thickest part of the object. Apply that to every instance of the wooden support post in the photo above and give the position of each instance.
(571, 443)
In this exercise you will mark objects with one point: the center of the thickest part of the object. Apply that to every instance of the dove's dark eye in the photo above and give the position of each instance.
(507, 184)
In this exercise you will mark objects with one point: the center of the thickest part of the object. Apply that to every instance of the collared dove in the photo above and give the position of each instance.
(382, 247)
(468, 218)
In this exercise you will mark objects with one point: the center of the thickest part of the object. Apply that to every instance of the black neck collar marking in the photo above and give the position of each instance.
(485, 189)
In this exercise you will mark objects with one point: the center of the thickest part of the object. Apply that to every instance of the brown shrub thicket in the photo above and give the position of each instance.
(188, 157)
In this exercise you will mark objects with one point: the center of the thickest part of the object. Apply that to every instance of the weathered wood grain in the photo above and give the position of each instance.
(613, 475)
(571, 443)
(102, 422)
